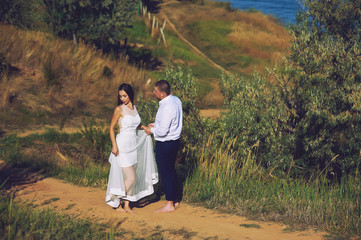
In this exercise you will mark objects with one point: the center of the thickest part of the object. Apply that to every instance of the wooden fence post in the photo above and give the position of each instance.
(144, 10)
(162, 33)
(153, 25)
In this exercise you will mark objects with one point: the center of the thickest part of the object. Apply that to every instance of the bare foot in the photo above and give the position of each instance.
(128, 210)
(166, 208)
(176, 204)
(120, 210)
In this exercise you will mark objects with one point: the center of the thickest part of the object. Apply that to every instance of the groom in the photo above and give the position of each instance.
(167, 130)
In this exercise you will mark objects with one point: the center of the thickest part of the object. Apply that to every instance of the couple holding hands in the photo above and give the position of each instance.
(133, 170)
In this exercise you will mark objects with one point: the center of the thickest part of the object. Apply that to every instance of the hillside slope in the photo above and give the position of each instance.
(228, 40)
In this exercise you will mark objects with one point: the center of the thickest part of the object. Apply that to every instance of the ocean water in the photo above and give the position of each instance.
(285, 10)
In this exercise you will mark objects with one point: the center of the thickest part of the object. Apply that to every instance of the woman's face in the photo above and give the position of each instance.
(124, 97)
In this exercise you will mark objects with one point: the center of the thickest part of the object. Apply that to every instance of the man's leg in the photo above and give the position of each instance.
(166, 153)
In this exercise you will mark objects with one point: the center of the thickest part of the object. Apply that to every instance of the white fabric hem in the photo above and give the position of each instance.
(145, 169)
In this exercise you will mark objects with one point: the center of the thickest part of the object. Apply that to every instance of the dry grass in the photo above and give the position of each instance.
(213, 99)
(56, 75)
(259, 36)
(214, 113)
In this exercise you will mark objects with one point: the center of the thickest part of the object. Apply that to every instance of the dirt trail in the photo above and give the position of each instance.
(187, 222)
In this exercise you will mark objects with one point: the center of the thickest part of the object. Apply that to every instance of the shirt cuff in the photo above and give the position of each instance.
(152, 130)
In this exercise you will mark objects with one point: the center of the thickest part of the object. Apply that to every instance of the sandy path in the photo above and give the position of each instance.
(187, 222)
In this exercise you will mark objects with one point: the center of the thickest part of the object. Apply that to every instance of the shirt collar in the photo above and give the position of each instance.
(164, 100)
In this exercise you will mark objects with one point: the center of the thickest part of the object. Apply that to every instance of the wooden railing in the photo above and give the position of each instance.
(154, 24)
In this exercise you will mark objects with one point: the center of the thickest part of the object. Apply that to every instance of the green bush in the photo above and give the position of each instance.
(310, 121)
(322, 88)
(22, 13)
(95, 138)
(257, 117)
(146, 109)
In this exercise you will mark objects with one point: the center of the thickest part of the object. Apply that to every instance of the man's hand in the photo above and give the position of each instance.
(147, 129)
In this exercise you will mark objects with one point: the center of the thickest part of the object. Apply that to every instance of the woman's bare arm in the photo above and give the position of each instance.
(118, 113)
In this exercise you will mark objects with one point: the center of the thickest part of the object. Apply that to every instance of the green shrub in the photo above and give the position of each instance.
(257, 117)
(95, 138)
(322, 87)
(49, 74)
(310, 121)
(107, 72)
(146, 109)
(22, 13)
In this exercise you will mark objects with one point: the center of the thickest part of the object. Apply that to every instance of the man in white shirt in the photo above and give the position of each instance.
(166, 131)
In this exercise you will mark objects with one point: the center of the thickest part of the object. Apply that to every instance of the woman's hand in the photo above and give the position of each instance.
(147, 130)
(115, 150)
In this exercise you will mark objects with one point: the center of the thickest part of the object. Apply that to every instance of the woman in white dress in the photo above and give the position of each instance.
(133, 169)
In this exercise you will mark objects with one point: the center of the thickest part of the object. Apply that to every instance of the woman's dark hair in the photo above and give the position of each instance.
(128, 89)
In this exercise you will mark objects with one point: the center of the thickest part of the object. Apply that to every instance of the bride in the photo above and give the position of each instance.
(133, 169)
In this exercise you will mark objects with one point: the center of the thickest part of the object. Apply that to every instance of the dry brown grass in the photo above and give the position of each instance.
(80, 82)
(259, 36)
(214, 98)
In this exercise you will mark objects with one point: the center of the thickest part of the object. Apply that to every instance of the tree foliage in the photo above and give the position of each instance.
(311, 119)
(324, 85)
(21, 13)
(100, 22)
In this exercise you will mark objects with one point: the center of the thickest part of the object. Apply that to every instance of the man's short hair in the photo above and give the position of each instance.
(163, 86)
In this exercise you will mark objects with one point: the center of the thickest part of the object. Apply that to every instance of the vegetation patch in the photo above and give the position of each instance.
(25, 222)
(250, 225)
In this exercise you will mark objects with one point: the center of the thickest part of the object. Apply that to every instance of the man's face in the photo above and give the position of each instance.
(158, 94)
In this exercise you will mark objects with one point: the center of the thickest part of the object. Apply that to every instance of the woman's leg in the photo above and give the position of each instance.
(129, 179)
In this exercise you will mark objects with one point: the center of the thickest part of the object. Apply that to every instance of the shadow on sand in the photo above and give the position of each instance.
(16, 179)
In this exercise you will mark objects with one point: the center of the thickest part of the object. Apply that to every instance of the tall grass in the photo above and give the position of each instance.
(94, 175)
(259, 36)
(22, 222)
(238, 184)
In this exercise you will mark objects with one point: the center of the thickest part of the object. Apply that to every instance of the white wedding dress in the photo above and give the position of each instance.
(135, 149)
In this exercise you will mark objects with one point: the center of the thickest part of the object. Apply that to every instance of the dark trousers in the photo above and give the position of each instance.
(165, 155)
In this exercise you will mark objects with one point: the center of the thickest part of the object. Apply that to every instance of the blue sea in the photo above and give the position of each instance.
(285, 10)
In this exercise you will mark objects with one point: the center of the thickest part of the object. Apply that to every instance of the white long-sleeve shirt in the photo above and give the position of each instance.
(169, 119)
